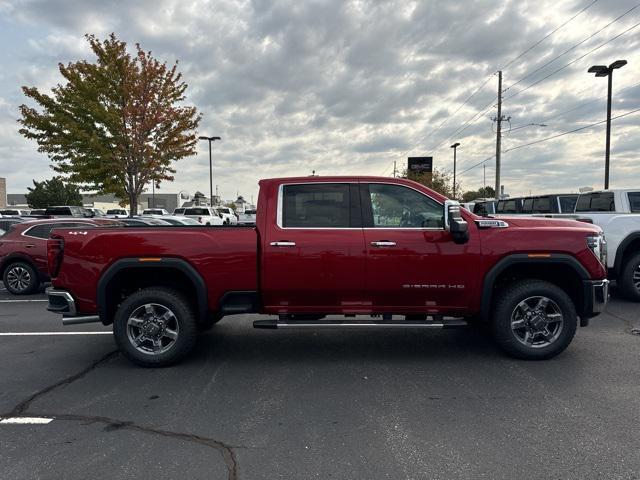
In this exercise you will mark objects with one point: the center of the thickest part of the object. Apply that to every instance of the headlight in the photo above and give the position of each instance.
(598, 246)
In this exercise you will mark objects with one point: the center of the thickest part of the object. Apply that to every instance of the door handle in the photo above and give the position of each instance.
(383, 243)
(283, 243)
(30, 245)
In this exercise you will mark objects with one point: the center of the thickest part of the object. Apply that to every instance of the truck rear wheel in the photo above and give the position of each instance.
(533, 320)
(155, 327)
(630, 278)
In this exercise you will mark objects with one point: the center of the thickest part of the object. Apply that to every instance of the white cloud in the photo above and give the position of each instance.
(349, 87)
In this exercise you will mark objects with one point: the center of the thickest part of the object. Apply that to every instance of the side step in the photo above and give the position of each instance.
(273, 323)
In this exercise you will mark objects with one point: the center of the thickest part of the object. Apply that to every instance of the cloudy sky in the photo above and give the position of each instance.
(349, 87)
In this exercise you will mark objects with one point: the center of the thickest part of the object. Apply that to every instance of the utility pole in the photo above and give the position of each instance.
(498, 119)
(484, 176)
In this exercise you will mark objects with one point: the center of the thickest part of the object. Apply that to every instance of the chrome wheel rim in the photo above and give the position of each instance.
(537, 322)
(636, 277)
(18, 279)
(152, 329)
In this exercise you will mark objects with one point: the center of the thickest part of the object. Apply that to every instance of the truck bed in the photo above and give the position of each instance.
(225, 257)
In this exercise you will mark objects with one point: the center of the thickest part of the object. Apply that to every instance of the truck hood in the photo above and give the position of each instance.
(552, 223)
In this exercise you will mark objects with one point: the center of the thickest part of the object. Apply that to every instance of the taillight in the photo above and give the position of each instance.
(55, 252)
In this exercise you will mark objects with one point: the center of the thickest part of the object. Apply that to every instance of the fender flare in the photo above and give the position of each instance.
(523, 258)
(134, 263)
(620, 251)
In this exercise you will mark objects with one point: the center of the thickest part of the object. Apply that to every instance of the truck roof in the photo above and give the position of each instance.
(351, 179)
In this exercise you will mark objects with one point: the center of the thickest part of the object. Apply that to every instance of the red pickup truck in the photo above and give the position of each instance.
(390, 250)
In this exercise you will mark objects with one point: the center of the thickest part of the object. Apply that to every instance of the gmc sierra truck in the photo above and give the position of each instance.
(354, 252)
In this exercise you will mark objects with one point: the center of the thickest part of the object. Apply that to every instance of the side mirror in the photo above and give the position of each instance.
(454, 223)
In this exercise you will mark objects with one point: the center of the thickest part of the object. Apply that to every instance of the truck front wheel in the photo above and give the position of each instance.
(155, 327)
(533, 320)
(630, 278)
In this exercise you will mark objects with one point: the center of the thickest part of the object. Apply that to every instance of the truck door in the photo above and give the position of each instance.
(413, 265)
(313, 255)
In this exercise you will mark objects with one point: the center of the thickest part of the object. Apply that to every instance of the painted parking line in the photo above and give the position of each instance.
(26, 300)
(25, 421)
(44, 334)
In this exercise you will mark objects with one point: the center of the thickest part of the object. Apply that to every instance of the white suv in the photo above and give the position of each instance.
(228, 216)
(205, 215)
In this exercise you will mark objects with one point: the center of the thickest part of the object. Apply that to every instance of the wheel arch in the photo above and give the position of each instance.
(130, 274)
(560, 269)
(630, 244)
(21, 258)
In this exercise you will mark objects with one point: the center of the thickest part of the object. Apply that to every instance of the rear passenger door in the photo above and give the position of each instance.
(314, 258)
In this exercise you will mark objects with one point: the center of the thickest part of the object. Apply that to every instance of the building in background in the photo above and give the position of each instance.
(3, 192)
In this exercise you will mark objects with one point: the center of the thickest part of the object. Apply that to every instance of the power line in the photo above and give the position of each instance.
(573, 61)
(548, 35)
(572, 48)
(477, 164)
(549, 138)
(570, 131)
(433, 132)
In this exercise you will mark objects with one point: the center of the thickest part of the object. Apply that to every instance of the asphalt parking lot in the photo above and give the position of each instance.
(263, 404)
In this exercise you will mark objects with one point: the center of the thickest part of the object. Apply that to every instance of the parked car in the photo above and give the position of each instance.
(67, 211)
(143, 221)
(509, 206)
(617, 212)
(23, 251)
(173, 219)
(485, 206)
(7, 222)
(204, 215)
(13, 212)
(549, 204)
(372, 246)
(228, 215)
(247, 218)
(117, 213)
(154, 211)
(95, 212)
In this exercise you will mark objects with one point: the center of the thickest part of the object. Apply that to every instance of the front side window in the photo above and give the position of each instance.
(322, 205)
(634, 201)
(395, 206)
(542, 205)
(527, 205)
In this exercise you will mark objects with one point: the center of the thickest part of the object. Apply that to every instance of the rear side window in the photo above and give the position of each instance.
(634, 201)
(568, 203)
(323, 205)
(58, 211)
(596, 202)
(43, 230)
(203, 212)
(9, 212)
(527, 205)
(508, 206)
(178, 211)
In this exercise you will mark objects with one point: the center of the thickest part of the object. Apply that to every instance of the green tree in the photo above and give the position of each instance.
(53, 192)
(483, 192)
(438, 181)
(116, 124)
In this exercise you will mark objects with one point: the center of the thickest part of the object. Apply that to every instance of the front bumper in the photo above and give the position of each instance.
(61, 301)
(596, 296)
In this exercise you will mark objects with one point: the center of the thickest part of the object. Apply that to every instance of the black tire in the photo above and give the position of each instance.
(630, 286)
(508, 302)
(182, 323)
(20, 278)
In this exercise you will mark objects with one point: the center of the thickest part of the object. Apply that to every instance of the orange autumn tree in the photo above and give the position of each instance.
(117, 124)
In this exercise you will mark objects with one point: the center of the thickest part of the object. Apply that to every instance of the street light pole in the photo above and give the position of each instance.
(210, 139)
(455, 147)
(604, 71)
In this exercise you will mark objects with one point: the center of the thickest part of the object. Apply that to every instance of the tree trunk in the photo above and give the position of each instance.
(133, 204)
